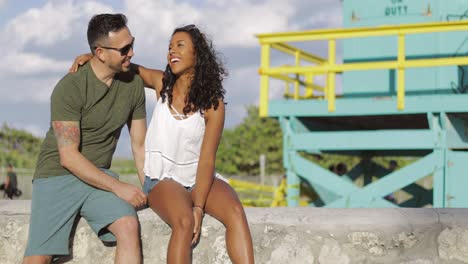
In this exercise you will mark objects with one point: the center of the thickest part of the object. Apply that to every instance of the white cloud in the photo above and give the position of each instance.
(239, 21)
(316, 14)
(23, 90)
(54, 22)
(231, 23)
(47, 26)
(152, 23)
(243, 85)
(42, 26)
(90, 8)
(243, 89)
(331, 18)
(31, 63)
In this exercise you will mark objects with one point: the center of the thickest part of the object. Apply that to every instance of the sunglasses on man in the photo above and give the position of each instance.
(123, 51)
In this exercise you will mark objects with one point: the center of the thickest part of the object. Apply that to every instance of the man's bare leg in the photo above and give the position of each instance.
(128, 248)
(37, 260)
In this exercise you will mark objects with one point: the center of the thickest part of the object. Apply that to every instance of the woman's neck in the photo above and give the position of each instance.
(183, 83)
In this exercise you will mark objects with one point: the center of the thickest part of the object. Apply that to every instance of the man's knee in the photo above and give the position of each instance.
(37, 259)
(125, 226)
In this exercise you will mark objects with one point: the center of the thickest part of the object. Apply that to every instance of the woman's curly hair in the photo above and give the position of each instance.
(206, 89)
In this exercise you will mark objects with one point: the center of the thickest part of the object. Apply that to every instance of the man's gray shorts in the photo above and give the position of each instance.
(56, 202)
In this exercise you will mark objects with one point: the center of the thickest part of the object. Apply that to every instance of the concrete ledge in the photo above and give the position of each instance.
(282, 235)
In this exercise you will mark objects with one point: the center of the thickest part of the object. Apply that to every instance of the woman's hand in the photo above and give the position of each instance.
(79, 61)
(198, 217)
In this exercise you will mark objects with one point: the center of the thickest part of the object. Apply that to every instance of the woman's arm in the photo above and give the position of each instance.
(206, 165)
(214, 120)
(80, 61)
(152, 78)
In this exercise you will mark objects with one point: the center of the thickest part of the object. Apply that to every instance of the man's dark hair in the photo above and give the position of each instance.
(101, 25)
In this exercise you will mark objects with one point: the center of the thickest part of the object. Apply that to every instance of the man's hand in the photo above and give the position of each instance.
(131, 194)
(80, 61)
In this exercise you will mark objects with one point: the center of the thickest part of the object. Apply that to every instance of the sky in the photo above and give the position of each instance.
(40, 39)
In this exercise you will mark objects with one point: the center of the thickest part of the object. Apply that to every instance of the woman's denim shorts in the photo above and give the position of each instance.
(149, 184)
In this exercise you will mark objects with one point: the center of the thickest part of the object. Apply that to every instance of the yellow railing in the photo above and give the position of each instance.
(253, 194)
(258, 195)
(330, 68)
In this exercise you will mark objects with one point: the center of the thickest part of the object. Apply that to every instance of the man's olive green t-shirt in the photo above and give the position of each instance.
(101, 111)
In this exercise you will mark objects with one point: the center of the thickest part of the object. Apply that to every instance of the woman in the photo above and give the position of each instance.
(181, 144)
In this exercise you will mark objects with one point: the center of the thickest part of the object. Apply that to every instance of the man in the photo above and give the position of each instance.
(11, 183)
(88, 110)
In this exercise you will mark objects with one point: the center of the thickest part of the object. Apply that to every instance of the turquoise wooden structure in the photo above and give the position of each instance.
(404, 92)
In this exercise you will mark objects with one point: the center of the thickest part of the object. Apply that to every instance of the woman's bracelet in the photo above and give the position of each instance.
(199, 207)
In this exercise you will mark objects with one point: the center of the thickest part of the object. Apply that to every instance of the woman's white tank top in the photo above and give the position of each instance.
(172, 146)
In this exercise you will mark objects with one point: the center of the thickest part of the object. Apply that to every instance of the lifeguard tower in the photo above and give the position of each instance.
(400, 89)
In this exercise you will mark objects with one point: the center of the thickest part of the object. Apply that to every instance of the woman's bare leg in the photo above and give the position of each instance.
(223, 204)
(172, 202)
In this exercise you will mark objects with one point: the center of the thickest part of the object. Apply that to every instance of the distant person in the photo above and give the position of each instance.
(392, 165)
(89, 108)
(332, 168)
(341, 169)
(10, 187)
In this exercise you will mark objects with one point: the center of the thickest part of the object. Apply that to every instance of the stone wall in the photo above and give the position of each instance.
(282, 235)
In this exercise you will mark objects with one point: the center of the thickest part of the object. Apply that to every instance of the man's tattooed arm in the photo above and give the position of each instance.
(67, 133)
(68, 142)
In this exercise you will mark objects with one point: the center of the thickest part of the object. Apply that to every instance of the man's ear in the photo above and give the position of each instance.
(99, 53)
